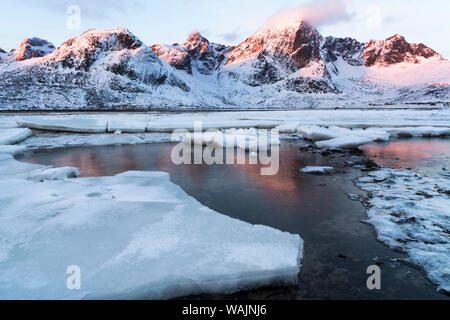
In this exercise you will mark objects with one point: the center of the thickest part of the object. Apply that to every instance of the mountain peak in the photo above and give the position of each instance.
(33, 48)
(82, 50)
(295, 40)
(196, 36)
(396, 37)
(196, 43)
(396, 49)
(114, 38)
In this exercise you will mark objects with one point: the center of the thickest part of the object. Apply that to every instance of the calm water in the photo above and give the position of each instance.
(338, 247)
(430, 156)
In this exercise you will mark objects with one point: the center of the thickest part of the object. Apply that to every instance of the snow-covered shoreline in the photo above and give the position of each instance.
(411, 213)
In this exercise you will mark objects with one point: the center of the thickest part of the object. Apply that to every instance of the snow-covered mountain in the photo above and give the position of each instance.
(280, 66)
(98, 69)
(288, 55)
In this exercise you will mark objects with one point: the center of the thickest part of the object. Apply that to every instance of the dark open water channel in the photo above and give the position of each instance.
(338, 247)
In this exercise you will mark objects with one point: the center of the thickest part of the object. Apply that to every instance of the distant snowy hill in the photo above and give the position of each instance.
(28, 49)
(280, 66)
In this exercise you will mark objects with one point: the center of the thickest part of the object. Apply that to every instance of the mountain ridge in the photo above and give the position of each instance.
(292, 66)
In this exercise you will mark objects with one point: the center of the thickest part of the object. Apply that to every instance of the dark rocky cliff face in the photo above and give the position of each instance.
(207, 56)
(306, 46)
(350, 50)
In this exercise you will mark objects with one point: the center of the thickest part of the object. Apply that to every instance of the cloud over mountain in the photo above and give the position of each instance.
(315, 13)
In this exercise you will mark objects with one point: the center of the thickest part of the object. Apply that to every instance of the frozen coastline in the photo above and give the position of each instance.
(324, 127)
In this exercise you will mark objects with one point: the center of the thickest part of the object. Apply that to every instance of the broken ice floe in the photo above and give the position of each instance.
(247, 139)
(312, 126)
(411, 212)
(14, 135)
(317, 170)
(11, 149)
(317, 133)
(342, 138)
(288, 127)
(65, 124)
(54, 173)
(55, 140)
(133, 235)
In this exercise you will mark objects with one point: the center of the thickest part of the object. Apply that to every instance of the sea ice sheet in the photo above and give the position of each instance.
(65, 124)
(134, 235)
(317, 170)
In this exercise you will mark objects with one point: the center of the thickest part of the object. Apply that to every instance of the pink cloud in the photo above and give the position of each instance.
(315, 13)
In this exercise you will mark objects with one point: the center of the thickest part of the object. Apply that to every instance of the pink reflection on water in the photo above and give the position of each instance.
(407, 153)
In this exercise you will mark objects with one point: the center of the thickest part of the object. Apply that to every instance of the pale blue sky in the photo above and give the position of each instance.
(224, 21)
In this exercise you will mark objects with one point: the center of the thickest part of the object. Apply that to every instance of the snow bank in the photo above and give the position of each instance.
(411, 213)
(317, 170)
(67, 124)
(54, 173)
(133, 235)
(15, 135)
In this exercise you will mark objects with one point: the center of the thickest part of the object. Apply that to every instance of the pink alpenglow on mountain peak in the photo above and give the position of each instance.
(394, 50)
(297, 41)
(33, 48)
